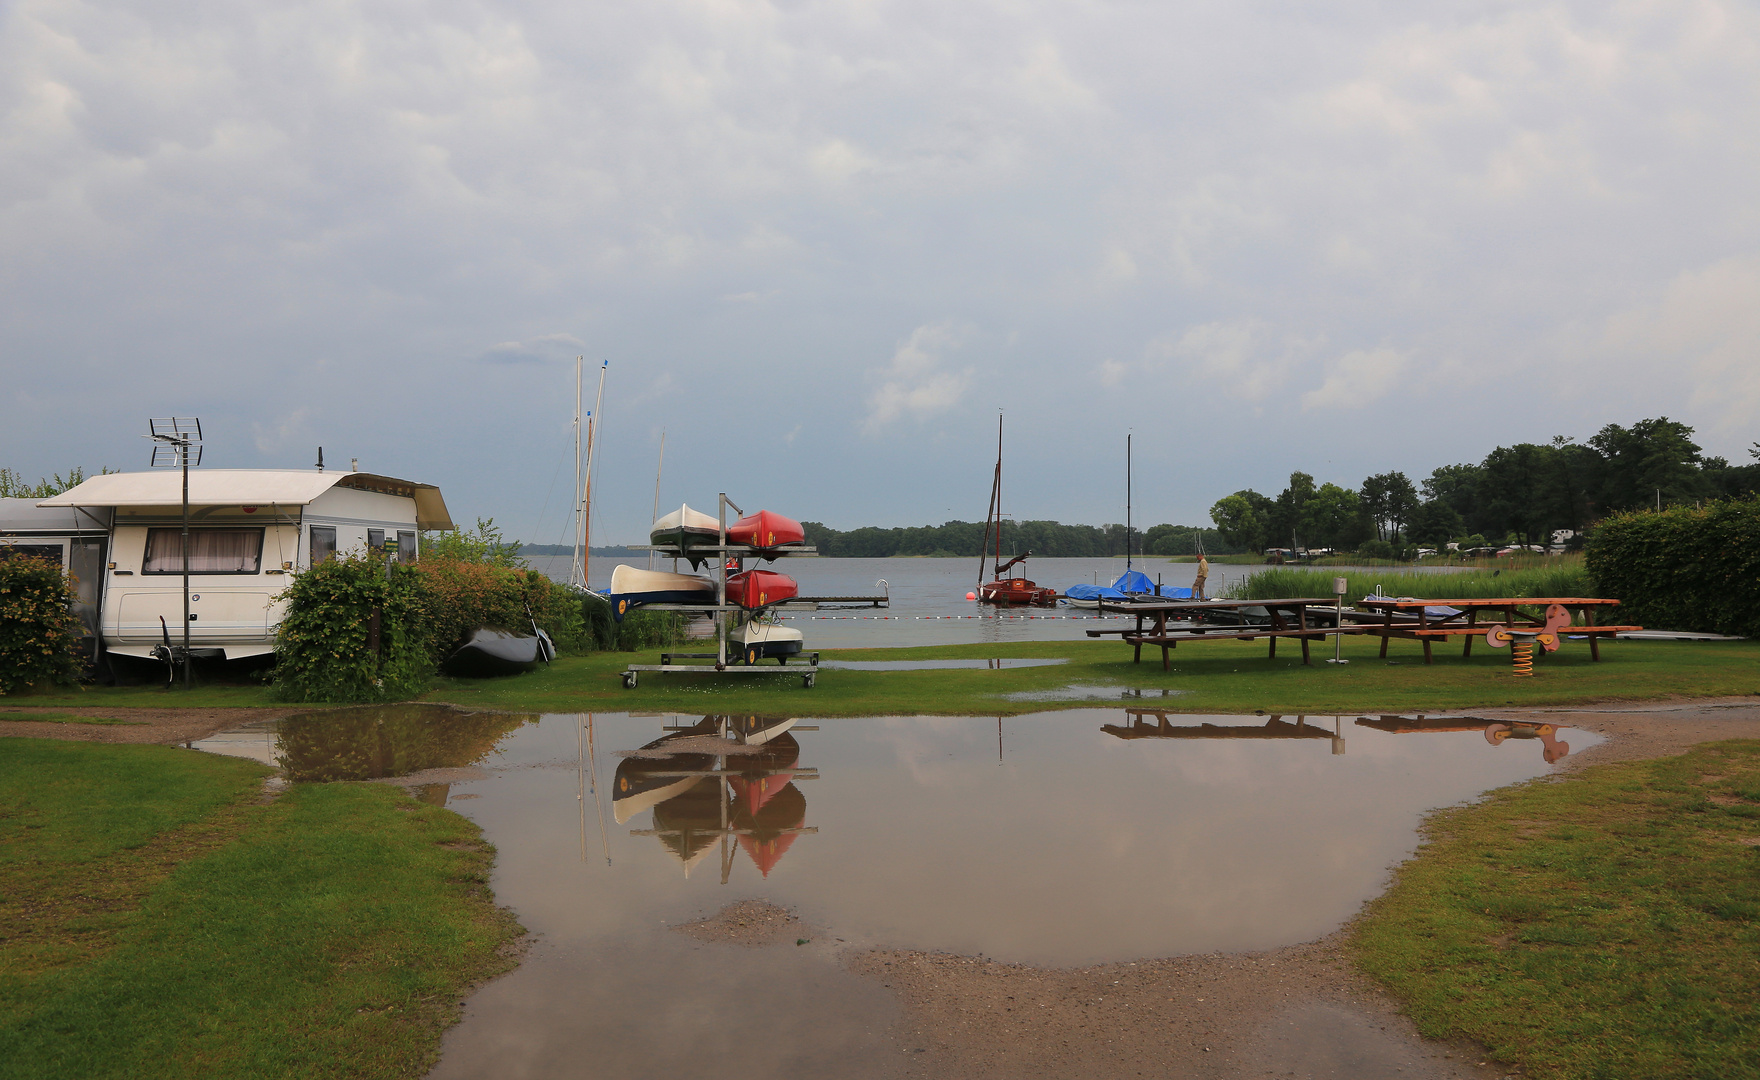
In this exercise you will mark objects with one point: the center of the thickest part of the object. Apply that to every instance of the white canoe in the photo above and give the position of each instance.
(685, 528)
(759, 641)
(632, 586)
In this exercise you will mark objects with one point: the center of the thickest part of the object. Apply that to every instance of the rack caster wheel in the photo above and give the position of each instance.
(807, 681)
(629, 680)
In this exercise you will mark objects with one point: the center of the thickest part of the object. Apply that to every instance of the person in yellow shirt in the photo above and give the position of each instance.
(1203, 576)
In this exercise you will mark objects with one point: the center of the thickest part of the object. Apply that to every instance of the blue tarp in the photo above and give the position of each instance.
(1093, 592)
(1134, 581)
(1137, 583)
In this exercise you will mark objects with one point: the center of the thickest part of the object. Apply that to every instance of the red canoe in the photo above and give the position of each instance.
(765, 530)
(759, 588)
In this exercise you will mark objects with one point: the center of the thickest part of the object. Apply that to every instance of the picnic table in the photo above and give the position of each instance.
(1412, 620)
(1166, 623)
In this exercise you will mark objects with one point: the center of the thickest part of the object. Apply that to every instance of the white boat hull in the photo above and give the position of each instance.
(633, 587)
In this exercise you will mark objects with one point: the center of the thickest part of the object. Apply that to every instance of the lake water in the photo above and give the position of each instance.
(928, 604)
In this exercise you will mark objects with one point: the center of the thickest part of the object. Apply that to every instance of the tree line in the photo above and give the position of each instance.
(1517, 494)
(1049, 539)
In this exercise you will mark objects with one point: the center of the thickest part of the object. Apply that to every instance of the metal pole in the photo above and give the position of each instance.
(184, 454)
(1127, 503)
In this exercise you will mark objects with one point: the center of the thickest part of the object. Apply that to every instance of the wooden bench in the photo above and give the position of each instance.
(1167, 642)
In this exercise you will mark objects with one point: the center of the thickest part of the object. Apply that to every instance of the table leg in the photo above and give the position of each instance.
(1386, 630)
(1426, 650)
(1473, 621)
(1302, 622)
(1595, 648)
(1164, 650)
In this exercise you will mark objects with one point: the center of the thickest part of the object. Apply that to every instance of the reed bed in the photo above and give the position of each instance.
(1564, 578)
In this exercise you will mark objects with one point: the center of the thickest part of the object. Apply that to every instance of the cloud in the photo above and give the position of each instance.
(273, 438)
(915, 383)
(1241, 358)
(1357, 378)
(1704, 333)
(538, 350)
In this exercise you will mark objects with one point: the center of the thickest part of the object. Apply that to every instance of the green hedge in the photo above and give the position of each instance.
(1684, 568)
(322, 652)
(461, 595)
(39, 635)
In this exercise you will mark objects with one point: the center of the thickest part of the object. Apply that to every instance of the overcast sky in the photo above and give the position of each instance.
(822, 243)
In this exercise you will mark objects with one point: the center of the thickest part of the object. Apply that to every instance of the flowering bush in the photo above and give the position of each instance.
(39, 634)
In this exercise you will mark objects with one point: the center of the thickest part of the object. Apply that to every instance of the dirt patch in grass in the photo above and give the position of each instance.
(135, 725)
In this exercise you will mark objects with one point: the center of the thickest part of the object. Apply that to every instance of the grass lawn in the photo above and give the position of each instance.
(1211, 677)
(158, 920)
(1605, 925)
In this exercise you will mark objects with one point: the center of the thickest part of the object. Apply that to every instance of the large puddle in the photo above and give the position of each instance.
(1055, 838)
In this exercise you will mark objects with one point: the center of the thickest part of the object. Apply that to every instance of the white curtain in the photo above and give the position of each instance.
(211, 551)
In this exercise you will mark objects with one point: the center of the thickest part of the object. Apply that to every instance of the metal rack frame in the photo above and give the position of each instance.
(720, 610)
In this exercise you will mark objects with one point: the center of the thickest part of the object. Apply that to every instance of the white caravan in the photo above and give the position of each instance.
(249, 530)
(75, 539)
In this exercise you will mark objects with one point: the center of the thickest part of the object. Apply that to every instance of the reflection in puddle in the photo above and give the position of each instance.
(1056, 838)
(738, 796)
(388, 740)
(1012, 837)
(995, 664)
(254, 740)
(368, 743)
(1496, 731)
(1156, 724)
(1094, 692)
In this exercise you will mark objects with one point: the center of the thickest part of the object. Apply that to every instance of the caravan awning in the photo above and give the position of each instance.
(247, 487)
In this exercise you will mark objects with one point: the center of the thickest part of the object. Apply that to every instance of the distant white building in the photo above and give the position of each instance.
(249, 530)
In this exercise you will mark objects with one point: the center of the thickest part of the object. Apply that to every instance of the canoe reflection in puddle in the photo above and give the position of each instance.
(725, 782)
(1496, 731)
(388, 740)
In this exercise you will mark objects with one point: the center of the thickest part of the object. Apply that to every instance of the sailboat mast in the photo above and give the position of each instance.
(586, 548)
(575, 575)
(1127, 503)
(991, 515)
(998, 564)
(658, 469)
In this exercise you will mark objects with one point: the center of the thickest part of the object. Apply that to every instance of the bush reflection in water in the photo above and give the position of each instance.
(388, 740)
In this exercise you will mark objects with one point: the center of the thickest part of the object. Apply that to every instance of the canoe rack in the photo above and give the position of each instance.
(726, 615)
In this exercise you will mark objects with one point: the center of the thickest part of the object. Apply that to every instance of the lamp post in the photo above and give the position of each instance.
(173, 439)
(1338, 587)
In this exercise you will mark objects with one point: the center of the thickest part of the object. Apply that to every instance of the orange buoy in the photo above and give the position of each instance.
(971, 596)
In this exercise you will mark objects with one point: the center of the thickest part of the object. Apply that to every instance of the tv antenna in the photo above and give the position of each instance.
(175, 439)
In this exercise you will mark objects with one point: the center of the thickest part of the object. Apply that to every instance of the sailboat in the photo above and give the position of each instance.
(1000, 590)
(1133, 584)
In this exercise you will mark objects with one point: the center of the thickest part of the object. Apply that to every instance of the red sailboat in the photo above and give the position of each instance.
(766, 531)
(760, 588)
(1006, 591)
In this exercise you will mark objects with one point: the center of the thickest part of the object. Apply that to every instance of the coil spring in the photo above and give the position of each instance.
(1522, 652)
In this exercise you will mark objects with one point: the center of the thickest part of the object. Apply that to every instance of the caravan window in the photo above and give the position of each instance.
(211, 551)
(323, 543)
(375, 542)
(406, 546)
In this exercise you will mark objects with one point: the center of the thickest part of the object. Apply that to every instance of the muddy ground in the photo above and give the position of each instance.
(167, 726)
(1298, 1012)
